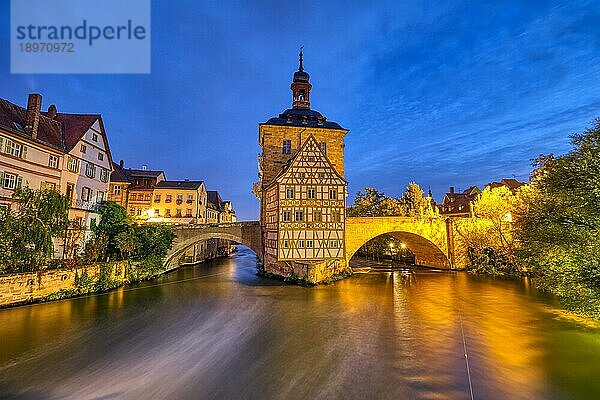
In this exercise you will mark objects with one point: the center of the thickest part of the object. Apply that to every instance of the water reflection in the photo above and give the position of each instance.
(218, 331)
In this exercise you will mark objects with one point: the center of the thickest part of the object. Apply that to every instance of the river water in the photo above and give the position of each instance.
(216, 331)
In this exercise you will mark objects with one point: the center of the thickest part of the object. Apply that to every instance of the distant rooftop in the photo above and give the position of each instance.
(194, 185)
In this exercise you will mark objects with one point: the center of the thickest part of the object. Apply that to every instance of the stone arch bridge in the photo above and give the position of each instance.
(433, 241)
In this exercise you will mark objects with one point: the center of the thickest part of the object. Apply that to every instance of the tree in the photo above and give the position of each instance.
(372, 203)
(113, 221)
(28, 229)
(414, 204)
(489, 237)
(560, 225)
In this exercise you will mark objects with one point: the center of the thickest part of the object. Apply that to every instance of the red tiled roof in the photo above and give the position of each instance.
(50, 131)
(118, 174)
(511, 184)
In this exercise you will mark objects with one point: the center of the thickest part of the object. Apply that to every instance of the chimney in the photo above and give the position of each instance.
(52, 111)
(451, 189)
(121, 163)
(32, 116)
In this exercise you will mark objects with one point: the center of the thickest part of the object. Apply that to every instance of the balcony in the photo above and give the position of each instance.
(85, 205)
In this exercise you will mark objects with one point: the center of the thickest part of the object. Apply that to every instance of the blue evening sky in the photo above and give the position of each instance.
(441, 93)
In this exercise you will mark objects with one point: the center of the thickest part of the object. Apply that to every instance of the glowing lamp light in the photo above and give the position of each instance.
(150, 213)
(403, 245)
(508, 217)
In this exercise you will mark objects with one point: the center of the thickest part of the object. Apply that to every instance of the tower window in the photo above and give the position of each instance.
(301, 95)
(323, 147)
(287, 147)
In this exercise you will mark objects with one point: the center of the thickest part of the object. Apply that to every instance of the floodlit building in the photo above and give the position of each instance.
(301, 188)
(179, 202)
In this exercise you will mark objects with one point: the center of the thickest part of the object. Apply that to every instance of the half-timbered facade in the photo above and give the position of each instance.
(302, 189)
(308, 213)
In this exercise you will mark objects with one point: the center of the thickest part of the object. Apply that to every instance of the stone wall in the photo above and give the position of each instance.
(28, 287)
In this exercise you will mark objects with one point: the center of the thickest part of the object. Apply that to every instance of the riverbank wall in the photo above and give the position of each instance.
(51, 284)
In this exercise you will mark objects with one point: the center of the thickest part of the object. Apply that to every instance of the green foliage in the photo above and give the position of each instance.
(560, 226)
(489, 238)
(113, 221)
(27, 230)
(153, 241)
(412, 203)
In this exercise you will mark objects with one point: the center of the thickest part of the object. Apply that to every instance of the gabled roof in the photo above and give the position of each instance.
(143, 173)
(214, 198)
(119, 174)
(311, 143)
(61, 132)
(512, 184)
(184, 185)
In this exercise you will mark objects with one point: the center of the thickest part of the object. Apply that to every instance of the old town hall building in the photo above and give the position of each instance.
(302, 189)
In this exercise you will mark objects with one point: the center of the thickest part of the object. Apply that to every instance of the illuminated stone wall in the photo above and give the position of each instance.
(28, 287)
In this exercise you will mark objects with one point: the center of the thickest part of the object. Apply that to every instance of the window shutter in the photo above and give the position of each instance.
(1, 179)
(25, 152)
(19, 182)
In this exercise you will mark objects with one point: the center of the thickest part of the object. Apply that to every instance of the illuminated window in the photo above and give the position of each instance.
(53, 161)
(9, 181)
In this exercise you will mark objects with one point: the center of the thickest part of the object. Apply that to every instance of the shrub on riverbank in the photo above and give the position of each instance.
(559, 229)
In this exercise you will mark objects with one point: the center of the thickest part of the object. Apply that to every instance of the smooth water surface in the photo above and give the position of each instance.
(216, 331)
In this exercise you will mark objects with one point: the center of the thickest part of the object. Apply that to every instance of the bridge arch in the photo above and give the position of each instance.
(244, 233)
(425, 238)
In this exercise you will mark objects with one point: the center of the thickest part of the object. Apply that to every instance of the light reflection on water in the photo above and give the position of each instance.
(218, 331)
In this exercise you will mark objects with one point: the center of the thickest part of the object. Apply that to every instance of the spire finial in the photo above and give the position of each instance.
(301, 68)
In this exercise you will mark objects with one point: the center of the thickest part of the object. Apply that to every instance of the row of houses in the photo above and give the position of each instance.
(70, 153)
(460, 204)
(148, 196)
